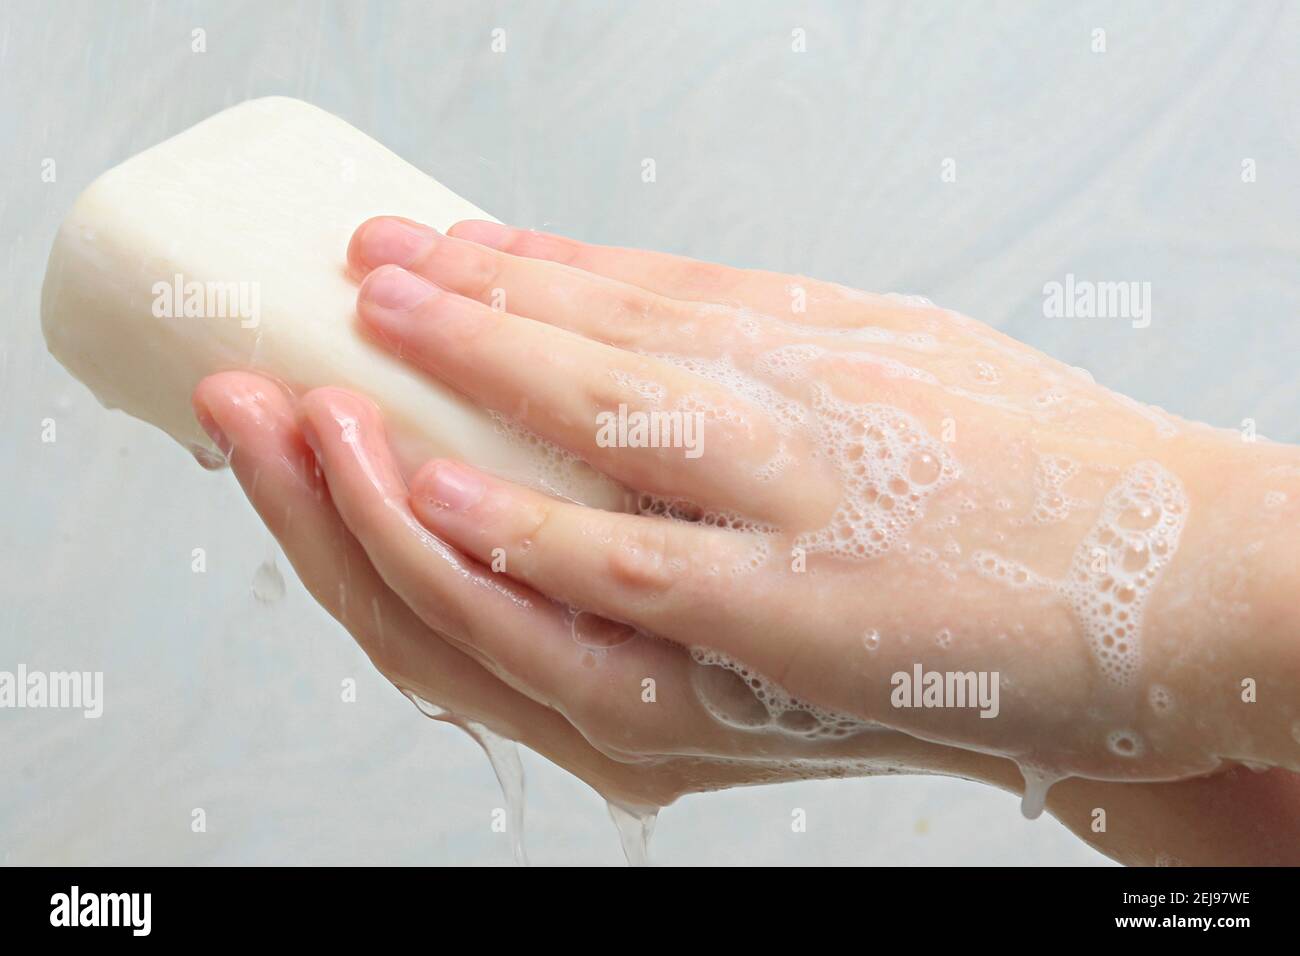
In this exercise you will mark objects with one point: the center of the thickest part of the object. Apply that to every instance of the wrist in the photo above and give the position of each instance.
(1224, 619)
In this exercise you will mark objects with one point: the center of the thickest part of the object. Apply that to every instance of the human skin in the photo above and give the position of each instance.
(406, 560)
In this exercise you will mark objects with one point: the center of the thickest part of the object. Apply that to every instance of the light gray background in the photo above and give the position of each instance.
(1117, 166)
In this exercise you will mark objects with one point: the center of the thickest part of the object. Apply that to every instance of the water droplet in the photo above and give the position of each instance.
(268, 582)
(208, 458)
(1037, 782)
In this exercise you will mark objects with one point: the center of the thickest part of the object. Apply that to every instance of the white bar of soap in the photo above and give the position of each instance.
(247, 215)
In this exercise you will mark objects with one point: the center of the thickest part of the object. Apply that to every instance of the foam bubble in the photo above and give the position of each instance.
(791, 362)
(1118, 563)
(555, 470)
(786, 411)
(740, 697)
(652, 392)
(1051, 503)
(986, 373)
(1010, 573)
(1125, 743)
(1115, 567)
(888, 466)
(1161, 698)
(679, 509)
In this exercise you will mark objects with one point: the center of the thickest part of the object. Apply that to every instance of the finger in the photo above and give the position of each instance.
(650, 425)
(252, 420)
(594, 671)
(792, 298)
(666, 577)
(524, 636)
(595, 306)
(445, 590)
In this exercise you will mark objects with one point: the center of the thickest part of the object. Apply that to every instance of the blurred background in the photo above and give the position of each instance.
(967, 151)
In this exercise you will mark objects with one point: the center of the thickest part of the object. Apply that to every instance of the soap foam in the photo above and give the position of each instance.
(776, 710)
(889, 466)
(786, 411)
(553, 469)
(1160, 698)
(1051, 503)
(1115, 566)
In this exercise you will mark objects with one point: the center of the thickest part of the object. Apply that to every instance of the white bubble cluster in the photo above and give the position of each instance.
(679, 509)
(1116, 565)
(760, 551)
(889, 466)
(986, 373)
(652, 392)
(750, 701)
(555, 469)
(1051, 503)
(786, 411)
(1161, 698)
(1013, 574)
(791, 362)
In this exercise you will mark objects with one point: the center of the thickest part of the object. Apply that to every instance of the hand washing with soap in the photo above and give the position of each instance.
(885, 493)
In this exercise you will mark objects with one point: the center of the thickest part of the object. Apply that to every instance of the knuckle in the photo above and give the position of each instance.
(483, 272)
(541, 245)
(628, 324)
(533, 533)
(700, 276)
(643, 560)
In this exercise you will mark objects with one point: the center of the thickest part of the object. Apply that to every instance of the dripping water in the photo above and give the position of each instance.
(635, 827)
(1037, 782)
(503, 755)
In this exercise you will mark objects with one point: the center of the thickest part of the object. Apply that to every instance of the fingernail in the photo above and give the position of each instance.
(395, 290)
(214, 430)
(448, 487)
(393, 242)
